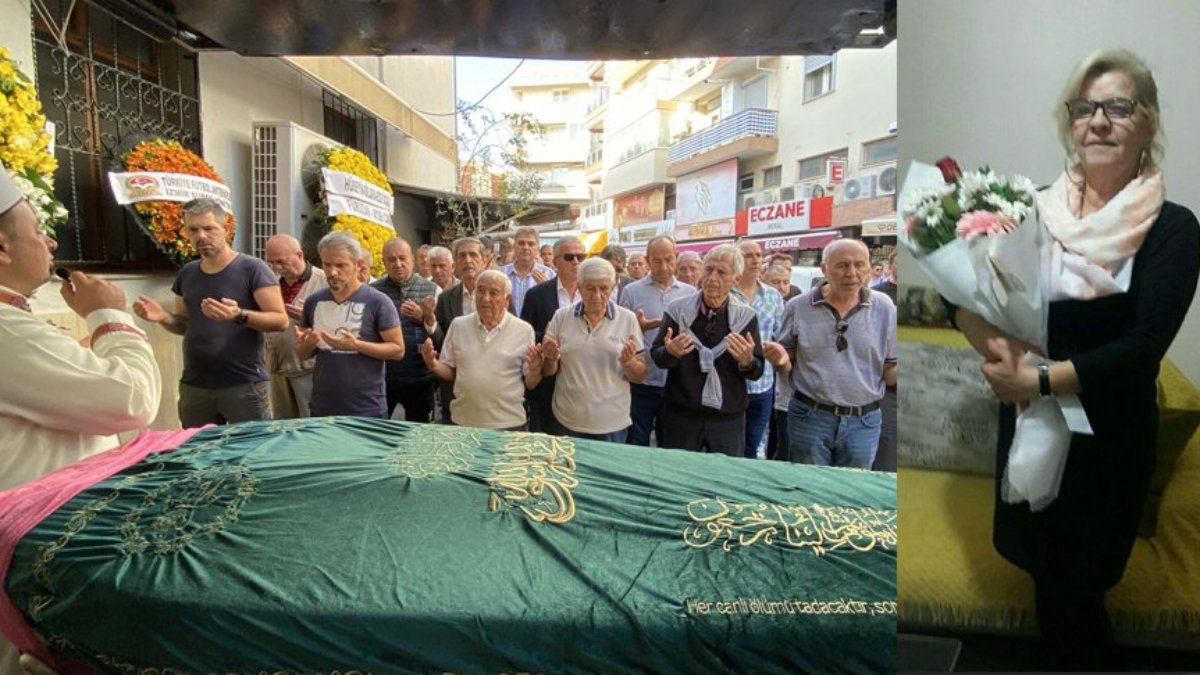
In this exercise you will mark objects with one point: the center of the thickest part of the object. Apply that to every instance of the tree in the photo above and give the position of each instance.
(491, 143)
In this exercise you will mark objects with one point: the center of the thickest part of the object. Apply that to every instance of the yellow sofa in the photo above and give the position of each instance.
(951, 580)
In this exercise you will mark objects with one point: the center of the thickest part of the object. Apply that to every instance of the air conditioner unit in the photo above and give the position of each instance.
(859, 187)
(887, 181)
(281, 161)
(749, 201)
(768, 196)
(787, 194)
(809, 190)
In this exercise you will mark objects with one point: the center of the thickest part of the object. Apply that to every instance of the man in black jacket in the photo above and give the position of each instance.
(409, 382)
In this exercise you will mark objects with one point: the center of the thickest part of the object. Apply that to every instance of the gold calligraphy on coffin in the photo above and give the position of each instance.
(820, 529)
(434, 449)
(535, 473)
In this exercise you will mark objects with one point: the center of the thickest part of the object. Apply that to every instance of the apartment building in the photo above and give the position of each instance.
(792, 151)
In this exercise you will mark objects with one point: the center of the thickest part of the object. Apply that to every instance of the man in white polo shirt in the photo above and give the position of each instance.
(491, 358)
(595, 347)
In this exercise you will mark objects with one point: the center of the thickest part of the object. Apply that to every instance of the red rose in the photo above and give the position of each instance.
(950, 169)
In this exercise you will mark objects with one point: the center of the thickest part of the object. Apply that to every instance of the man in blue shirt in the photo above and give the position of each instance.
(353, 329)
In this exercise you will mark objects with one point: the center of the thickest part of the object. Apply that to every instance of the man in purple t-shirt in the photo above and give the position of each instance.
(352, 328)
(225, 302)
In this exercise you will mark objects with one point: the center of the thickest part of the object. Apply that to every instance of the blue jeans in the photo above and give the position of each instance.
(820, 437)
(613, 437)
(645, 407)
(758, 415)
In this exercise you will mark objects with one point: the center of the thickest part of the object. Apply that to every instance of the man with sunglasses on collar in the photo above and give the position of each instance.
(841, 340)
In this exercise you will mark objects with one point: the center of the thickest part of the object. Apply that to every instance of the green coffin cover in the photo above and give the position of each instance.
(349, 545)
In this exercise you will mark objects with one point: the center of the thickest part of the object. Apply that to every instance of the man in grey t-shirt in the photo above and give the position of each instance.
(225, 302)
(842, 342)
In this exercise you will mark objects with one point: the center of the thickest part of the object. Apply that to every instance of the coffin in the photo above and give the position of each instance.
(345, 544)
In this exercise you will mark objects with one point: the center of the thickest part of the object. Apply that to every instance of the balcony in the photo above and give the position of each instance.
(749, 133)
(641, 171)
(594, 165)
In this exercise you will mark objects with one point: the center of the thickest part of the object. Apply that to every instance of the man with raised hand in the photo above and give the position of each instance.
(648, 298)
(225, 302)
(541, 302)
(842, 339)
(352, 329)
(60, 401)
(291, 378)
(409, 382)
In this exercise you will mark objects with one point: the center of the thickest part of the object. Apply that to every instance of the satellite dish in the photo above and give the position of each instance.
(887, 180)
(310, 170)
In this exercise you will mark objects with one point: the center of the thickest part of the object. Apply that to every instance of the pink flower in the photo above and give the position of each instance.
(975, 223)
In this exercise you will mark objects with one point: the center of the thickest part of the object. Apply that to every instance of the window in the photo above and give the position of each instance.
(878, 152)
(772, 177)
(818, 76)
(347, 123)
(560, 95)
(746, 182)
(114, 87)
(814, 167)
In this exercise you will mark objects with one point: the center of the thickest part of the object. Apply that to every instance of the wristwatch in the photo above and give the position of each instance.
(1043, 372)
(241, 318)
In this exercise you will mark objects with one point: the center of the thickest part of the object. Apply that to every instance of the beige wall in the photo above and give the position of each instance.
(15, 29)
(987, 96)
(236, 91)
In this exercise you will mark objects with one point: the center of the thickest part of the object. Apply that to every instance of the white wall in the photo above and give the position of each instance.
(981, 80)
(236, 91)
(15, 32)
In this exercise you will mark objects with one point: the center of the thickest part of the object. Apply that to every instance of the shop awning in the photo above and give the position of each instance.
(800, 241)
(701, 246)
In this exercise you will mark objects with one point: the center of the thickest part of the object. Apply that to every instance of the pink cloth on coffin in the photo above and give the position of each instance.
(24, 506)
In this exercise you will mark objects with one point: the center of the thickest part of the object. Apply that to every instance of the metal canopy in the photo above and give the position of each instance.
(562, 29)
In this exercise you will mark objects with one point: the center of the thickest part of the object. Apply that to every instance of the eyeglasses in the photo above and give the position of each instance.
(840, 329)
(574, 257)
(1114, 108)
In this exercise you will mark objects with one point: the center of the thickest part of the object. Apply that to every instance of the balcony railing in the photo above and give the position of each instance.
(595, 157)
(595, 209)
(752, 122)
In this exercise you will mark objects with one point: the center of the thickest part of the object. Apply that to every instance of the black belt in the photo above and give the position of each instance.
(839, 410)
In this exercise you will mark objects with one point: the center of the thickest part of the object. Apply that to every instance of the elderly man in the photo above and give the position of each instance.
(637, 267)
(648, 299)
(541, 302)
(441, 268)
(504, 255)
(710, 346)
(491, 359)
(458, 300)
(226, 302)
(784, 262)
(616, 256)
(59, 401)
(547, 254)
(767, 304)
(525, 271)
(689, 268)
(595, 349)
(352, 328)
(409, 382)
(843, 338)
(366, 262)
(291, 378)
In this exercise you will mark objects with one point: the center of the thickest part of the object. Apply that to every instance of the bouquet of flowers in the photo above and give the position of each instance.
(25, 144)
(163, 220)
(371, 235)
(977, 237)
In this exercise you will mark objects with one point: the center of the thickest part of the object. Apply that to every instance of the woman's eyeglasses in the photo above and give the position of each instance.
(840, 329)
(1114, 108)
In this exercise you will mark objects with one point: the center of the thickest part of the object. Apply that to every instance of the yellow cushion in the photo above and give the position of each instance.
(950, 576)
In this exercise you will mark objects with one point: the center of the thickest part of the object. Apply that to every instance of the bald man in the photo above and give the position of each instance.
(409, 383)
(291, 377)
(841, 337)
